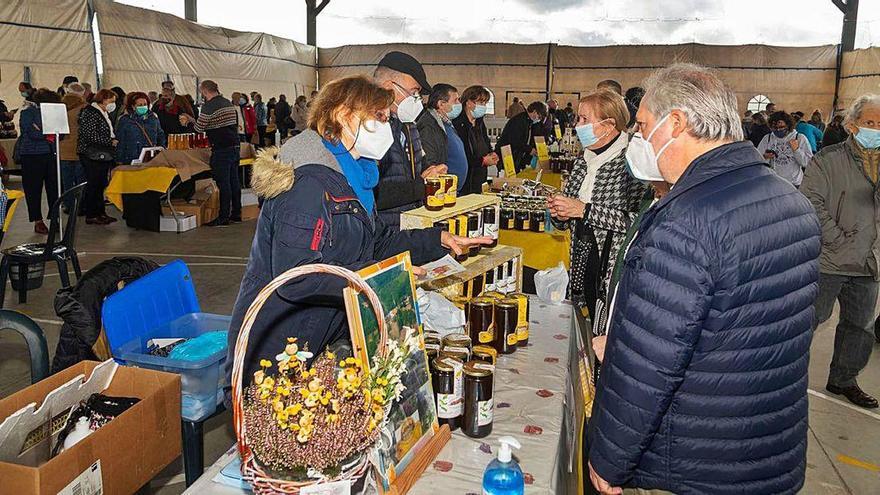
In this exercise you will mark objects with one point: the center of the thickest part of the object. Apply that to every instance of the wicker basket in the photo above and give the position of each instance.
(251, 472)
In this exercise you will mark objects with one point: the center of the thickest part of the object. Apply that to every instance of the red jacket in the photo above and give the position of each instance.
(250, 119)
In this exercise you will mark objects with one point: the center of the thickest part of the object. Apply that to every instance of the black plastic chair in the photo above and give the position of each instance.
(24, 255)
(33, 336)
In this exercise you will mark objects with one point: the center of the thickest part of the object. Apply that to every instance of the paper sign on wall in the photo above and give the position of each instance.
(543, 152)
(54, 116)
(507, 158)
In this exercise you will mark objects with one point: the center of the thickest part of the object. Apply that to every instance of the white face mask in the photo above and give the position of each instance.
(111, 107)
(409, 109)
(641, 157)
(373, 139)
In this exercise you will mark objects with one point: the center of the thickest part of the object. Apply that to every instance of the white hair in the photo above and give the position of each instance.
(697, 91)
(76, 88)
(858, 106)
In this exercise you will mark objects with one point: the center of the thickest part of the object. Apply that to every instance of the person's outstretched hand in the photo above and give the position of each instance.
(460, 245)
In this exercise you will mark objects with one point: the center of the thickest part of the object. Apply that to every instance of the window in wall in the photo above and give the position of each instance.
(758, 103)
(490, 105)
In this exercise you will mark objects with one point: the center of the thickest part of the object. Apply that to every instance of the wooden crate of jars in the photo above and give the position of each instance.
(492, 269)
(422, 218)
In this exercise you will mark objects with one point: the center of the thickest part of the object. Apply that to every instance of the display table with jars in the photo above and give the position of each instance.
(531, 399)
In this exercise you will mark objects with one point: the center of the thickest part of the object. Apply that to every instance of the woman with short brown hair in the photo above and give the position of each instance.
(472, 130)
(319, 208)
(96, 146)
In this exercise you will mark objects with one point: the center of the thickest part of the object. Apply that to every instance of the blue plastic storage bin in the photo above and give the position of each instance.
(163, 304)
(200, 381)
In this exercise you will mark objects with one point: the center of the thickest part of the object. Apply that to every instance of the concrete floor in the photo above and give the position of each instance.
(844, 449)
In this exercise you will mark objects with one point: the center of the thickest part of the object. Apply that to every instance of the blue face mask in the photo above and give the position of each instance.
(781, 133)
(868, 138)
(455, 112)
(587, 135)
(242, 101)
(479, 111)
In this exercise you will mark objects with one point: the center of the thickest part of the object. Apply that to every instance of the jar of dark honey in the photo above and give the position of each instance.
(434, 197)
(475, 229)
(485, 353)
(522, 325)
(463, 354)
(480, 320)
(457, 340)
(536, 218)
(447, 380)
(521, 217)
(506, 220)
(450, 189)
(504, 326)
(490, 224)
(479, 408)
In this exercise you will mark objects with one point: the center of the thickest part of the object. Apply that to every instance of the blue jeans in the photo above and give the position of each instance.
(224, 166)
(72, 175)
(854, 336)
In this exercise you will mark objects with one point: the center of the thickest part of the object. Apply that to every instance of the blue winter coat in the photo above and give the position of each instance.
(33, 141)
(704, 384)
(311, 215)
(813, 134)
(132, 139)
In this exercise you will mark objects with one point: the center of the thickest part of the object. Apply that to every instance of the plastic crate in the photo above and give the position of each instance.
(200, 381)
(151, 301)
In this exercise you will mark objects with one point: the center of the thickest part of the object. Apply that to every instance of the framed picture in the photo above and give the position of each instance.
(413, 419)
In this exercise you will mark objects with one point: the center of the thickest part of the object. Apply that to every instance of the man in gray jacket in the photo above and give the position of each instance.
(842, 183)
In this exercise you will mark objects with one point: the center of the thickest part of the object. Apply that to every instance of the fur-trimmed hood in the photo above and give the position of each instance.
(273, 168)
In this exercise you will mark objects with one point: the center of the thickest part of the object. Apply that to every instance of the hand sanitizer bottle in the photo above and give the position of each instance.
(503, 475)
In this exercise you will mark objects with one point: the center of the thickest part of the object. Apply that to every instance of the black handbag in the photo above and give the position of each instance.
(100, 153)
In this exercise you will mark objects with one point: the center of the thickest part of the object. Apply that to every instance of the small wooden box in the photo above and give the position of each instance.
(488, 259)
(421, 218)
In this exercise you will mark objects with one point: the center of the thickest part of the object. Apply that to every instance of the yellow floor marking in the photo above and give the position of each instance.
(852, 461)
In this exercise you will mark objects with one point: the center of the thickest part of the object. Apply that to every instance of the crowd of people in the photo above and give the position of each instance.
(706, 247)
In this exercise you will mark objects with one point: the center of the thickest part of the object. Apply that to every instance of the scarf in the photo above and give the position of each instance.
(362, 174)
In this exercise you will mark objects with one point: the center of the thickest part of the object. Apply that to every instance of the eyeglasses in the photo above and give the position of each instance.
(409, 92)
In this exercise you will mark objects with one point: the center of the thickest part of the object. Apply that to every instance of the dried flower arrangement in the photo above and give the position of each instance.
(307, 423)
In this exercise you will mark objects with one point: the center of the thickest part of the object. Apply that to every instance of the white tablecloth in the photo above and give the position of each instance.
(530, 390)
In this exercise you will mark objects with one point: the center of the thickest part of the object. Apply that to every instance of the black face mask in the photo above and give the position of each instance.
(780, 133)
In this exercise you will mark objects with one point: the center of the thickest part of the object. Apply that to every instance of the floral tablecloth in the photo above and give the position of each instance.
(531, 387)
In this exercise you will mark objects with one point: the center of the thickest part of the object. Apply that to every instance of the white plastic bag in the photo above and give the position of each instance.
(551, 284)
(439, 314)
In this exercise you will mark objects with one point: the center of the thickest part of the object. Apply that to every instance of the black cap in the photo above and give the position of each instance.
(402, 62)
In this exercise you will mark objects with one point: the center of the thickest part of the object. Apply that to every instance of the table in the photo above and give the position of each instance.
(541, 250)
(534, 394)
(158, 174)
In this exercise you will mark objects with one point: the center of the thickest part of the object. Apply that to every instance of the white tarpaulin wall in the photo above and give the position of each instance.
(860, 74)
(501, 67)
(51, 37)
(794, 78)
(141, 46)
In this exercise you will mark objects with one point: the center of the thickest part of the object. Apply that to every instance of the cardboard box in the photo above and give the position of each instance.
(123, 455)
(204, 204)
(167, 223)
(250, 212)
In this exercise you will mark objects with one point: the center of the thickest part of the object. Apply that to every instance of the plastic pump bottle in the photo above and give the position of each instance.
(80, 431)
(503, 475)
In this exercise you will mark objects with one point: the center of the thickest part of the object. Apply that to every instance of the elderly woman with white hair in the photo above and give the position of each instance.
(704, 383)
(841, 182)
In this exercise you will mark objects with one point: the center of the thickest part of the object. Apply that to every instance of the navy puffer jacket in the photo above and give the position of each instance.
(704, 384)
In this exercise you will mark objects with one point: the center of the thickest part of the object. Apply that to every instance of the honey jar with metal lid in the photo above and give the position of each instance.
(505, 319)
(447, 380)
(480, 320)
(434, 197)
(457, 340)
(522, 325)
(485, 353)
(479, 407)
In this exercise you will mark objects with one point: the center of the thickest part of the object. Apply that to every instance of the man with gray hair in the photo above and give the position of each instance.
(841, 182)
(704, 379)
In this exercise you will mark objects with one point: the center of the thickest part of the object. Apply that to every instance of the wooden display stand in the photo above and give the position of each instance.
(488, 259)
(405, 481)
(421, 218)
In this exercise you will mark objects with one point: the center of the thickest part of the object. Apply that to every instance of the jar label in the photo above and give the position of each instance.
(512, 339)
(508, 224)
(448, 406)
(491, 230)
(522, 333)
(451, 197)
(487, 336)
(435, 347)
(484, 366)
(450, 348)
(525, 225)
(541, 225)
(486, 412)
(435, 200)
